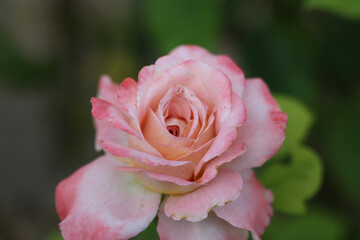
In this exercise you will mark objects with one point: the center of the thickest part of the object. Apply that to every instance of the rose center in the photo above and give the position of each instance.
(176, 126)
(174, 130)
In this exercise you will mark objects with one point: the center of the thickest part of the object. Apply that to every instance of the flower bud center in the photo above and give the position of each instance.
(173, 130)
(176, 126)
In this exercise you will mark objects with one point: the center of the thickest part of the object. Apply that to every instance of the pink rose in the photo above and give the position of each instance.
(191, 128)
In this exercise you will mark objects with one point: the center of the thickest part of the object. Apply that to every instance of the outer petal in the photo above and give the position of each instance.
(106, 130)
(107, 90)
(105, 111)
(127, 95)
(264, 129)
(115, 114)
(99, 202)
(195, 206)
(252, 210)
(211, 228)
(222, 62)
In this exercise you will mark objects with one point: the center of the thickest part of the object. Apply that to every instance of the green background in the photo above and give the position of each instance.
(53, 51)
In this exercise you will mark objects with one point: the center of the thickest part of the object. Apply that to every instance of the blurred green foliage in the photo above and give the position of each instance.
(346, 8)
(16, 69)
(318, 224)
(300, 119)
(172, 23)
(53, 235)
(149, 234)
(295, 182)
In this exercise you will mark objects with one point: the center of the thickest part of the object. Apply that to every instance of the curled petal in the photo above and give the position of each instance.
(211, 169)
(126, 94)
(107, 90)
(211, 228)
(222, 62)
(147, 76)
(105, 130)
(119, 150)
(155, 132)
(264, 130)
(207, 83)
(162, 183)
(252, 210)
(197, 154)
(105, 111)
(207, 131)
(195, 206)
(91, 203)
(157, 164)
(227, 132)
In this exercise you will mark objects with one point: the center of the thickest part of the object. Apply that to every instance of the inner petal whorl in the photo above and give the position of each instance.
(174, 130)
(176, 127)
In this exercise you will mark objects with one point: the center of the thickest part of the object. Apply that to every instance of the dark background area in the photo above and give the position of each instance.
(52, 53)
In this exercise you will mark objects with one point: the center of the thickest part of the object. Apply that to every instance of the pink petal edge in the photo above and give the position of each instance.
(252, 210)
(222, 62)
(211, 228)
(264, 129)
(91, 203)
(195, 206)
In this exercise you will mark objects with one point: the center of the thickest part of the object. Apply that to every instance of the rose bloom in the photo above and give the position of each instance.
(191, 128)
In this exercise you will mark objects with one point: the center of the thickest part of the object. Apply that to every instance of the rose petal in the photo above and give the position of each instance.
(222, 62)
(138, 144)
(211, 228)
(106, 130)
(252, 210)
(264, 130)
(162, 183)
(195, 206)
(91, 203)
(146, 77)
(227, 133)
(119, 150)
(107, 90)
(105, 111)
(127, 94)
(179, 108)
(207, 132)
(195, 155)
(179, 96)
(155, 132)
(211, 169)
(207, 83)
(122, 115)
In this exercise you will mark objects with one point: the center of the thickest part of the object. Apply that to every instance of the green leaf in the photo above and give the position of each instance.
(294, 183)
(299, 122)
(345, 8)
(150, 233)
(318, 224)
(341, 151)
(54, 235)
(182, 22)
